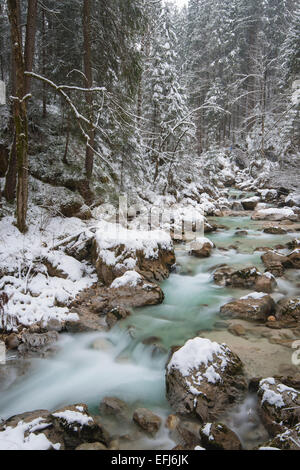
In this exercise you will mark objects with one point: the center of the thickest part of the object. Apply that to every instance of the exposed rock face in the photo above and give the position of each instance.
(201, 248)
(279, 405)
(64, 429)
(218, 436)
(250, 203)
(275, 230)
(257, 307)
(147, 420)
(203, 378)
(248, 278)
(149, 253)
(288, 309)
(275, 214)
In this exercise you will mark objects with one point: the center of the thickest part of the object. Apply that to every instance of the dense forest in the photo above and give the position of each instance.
(149, 225)
(148, 90)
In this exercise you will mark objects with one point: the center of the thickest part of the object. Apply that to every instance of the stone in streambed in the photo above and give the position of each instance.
(255, 306)
(217, 436)
(114, 407)
(275, 230)
(247, 278)
(288, 309)
(279, 405)
(202, 378)
(201, 248)
(147, 420)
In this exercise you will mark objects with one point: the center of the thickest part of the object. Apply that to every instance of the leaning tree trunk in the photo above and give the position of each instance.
(86, 19)
(20, 117)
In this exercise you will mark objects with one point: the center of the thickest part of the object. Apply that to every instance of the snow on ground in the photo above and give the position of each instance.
(34, 296)
(22, 437)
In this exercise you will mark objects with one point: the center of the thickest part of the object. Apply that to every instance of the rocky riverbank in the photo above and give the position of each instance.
(212, 370)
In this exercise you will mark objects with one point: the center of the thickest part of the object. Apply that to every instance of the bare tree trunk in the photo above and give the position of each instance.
(30, 41)
(20, 117)
(86, 19)
(44, 64)
(11, 174)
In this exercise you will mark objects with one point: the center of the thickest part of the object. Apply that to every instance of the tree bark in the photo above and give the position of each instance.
(30, 41)
(20, 117)
(11, 174)
(86, 19)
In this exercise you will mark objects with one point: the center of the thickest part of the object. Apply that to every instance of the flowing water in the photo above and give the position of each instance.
(129, 361)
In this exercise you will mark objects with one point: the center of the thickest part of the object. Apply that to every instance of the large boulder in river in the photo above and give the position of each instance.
(202, 378)
(255, 306)
(247, 278)
(201, 247)
(250, 203)
(279, 405)
(117, 250)
(276, 214)
(64, 429)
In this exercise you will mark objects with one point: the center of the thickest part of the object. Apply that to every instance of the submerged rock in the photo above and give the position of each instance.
(202, 378)
(147, 420)
(255, 306)
(114, 407)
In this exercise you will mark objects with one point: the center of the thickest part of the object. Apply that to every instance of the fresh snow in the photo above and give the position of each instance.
(22, 437)
(72, 417)
(254, 295)
(130, 278)
(197, 352)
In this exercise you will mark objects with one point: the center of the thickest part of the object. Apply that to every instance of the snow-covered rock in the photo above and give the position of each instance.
(276, 214)
(202, 378)
(279, 405)
(201, 247)
(248, 278)
(256, 306)
(117, 250)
